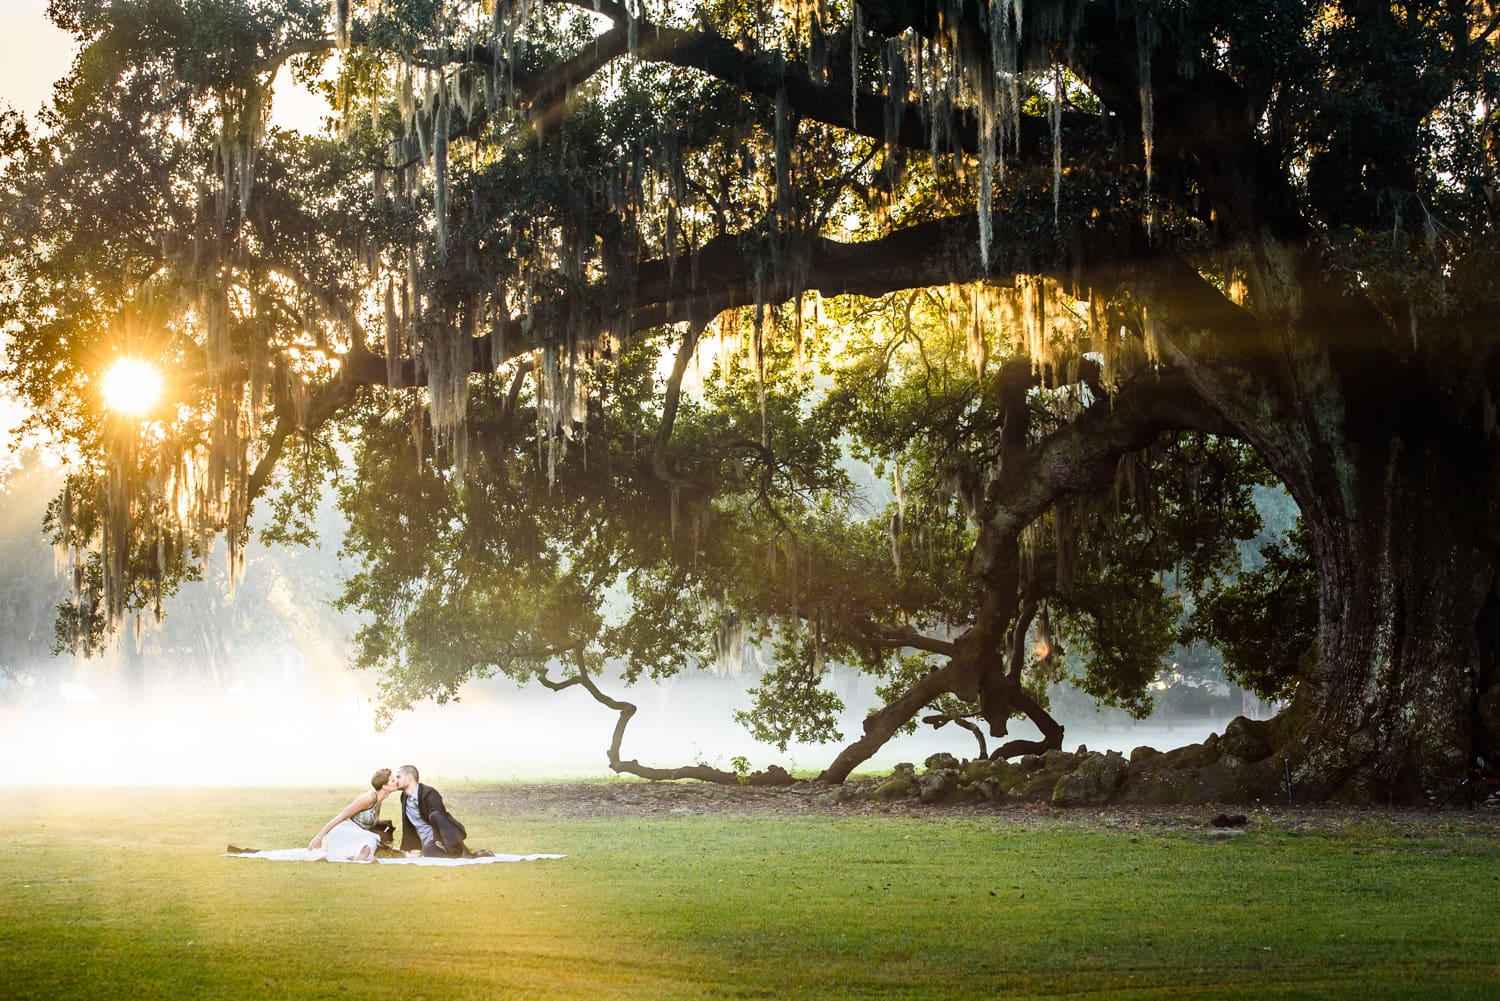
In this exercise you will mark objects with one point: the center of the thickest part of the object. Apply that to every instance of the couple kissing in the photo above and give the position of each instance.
(427, 828)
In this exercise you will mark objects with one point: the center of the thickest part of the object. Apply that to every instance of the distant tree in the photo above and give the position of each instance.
(30, 586)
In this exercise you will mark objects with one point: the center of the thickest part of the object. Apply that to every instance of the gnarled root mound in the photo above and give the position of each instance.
(1247, 763)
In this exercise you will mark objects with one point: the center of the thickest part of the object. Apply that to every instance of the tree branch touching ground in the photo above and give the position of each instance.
(626, 710)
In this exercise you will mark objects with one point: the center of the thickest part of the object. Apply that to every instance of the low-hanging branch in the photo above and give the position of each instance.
(626, 710)
(883, 724)
(1052, 731)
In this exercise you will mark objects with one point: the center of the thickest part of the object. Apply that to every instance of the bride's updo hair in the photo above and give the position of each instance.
(380, 778)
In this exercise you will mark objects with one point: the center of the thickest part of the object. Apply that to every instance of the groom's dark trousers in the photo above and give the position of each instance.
(449, 833)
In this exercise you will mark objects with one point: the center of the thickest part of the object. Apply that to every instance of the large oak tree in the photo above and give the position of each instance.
(1269, 223)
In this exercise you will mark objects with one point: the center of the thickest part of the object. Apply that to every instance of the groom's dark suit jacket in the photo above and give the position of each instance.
(445, 826)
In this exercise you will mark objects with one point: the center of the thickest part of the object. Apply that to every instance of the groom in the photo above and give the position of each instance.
(426, 825)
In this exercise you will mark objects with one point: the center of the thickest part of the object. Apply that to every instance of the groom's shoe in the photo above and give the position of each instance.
(482, 853)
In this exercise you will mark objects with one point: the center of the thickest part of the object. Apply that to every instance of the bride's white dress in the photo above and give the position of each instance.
(347, 840)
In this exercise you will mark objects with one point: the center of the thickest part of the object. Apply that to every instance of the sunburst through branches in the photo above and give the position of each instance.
(131, 387)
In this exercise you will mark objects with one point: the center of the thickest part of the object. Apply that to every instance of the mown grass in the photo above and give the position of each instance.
(123, 894)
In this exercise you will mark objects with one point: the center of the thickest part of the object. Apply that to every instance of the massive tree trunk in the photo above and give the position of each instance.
(1386, 441)
(1404, 575)
(1393, 476)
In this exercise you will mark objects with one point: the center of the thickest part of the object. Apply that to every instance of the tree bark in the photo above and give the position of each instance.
(1403, 583)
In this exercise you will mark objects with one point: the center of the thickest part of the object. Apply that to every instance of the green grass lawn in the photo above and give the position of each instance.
(123, 894)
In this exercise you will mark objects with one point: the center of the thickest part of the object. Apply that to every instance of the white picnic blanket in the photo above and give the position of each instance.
(304, 855)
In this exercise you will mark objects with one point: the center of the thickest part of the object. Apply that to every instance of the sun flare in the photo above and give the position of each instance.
(131, 387)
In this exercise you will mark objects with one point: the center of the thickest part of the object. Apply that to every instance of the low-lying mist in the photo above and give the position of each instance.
(300, 733)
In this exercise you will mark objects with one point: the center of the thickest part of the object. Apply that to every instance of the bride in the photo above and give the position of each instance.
(351, 834)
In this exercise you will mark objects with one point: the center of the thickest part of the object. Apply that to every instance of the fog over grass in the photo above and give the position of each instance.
(321, 731)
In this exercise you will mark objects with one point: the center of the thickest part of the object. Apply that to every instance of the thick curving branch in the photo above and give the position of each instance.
(1052, 730)
(722, 275)
(1081, 457)
(770, 75)
(903, 638)
(767, 74)
(882, 724)
(627, 710)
